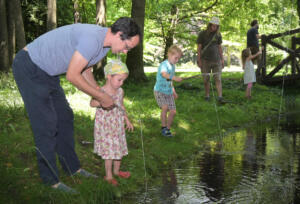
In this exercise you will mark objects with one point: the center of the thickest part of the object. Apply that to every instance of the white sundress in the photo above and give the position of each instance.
(109, 131)
(249, 73)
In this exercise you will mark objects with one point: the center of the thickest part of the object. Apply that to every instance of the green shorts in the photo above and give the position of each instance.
(209, 67)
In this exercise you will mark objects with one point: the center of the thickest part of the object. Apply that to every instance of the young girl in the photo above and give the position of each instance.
(164, 91)
(109, 131)
(249, 73)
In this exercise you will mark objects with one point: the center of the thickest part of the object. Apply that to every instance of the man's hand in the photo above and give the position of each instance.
(107, 102)
(199, 62)
(222, 63)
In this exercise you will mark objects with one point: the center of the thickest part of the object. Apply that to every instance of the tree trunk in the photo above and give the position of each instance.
(134, 59)
(20, 33)
(170, 34)
(11, 30)
(98, 70)
(4, 57)
(76, 12)
(51, 15)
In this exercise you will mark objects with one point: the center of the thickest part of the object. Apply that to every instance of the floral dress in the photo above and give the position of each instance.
(109, 131)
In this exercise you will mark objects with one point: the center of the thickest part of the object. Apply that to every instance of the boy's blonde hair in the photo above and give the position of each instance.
(245, 54)
(174, 49)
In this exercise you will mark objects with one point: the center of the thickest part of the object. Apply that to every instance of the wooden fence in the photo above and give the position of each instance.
(293, 58)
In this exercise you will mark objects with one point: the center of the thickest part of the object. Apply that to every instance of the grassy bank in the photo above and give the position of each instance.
(196, 122)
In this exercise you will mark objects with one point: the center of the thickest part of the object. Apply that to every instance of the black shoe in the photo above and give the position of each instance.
(221, 100)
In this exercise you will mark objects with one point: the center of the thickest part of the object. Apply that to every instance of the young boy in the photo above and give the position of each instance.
(164, 91)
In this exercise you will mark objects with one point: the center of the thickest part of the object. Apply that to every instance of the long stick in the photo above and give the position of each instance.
(202, 74)
(191, 77)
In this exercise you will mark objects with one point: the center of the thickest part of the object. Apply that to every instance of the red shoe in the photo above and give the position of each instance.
(112, 181)
(124, 174)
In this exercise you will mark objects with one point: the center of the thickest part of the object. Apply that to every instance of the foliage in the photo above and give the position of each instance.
(34, 17)
(182, 26)
(65, 12)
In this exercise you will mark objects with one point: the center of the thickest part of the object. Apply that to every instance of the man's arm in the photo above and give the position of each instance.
(89, 77)
(74, 75)
(199, 55)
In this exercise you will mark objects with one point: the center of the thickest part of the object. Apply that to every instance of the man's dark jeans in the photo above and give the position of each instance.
(50, 116)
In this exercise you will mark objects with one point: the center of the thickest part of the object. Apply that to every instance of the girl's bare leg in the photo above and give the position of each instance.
(108, 169)
(117, 164)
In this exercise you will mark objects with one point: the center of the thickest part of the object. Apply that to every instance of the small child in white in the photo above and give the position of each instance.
(109, 130)
(248, 67)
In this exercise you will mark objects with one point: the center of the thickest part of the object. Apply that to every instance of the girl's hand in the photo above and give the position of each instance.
(177, 79)
(175, 95)
(129, 126)
(94, 103)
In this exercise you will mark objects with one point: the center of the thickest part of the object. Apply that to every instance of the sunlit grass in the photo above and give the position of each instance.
(194, 123)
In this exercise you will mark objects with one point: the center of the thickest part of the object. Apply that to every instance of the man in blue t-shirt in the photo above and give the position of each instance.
(71, 49)
(252, 40)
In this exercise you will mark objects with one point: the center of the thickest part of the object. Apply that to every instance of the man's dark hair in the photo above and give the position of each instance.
(127, 26)
(254, 22)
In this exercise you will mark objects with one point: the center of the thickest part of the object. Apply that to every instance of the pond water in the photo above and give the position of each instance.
(259, 164)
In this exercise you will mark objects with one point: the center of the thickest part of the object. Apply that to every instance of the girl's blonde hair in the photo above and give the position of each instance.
(174, 49)
(245, 54)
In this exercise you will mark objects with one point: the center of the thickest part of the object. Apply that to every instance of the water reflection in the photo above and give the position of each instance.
(253, 165)
(212, 172)
(169, 190)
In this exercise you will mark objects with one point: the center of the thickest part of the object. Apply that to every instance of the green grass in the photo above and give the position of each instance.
(196, 122)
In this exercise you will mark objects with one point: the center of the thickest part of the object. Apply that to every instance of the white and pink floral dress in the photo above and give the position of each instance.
(109, 131)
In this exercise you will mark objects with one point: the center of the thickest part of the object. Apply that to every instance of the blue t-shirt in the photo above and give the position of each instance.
(53, 51)
(162, 84)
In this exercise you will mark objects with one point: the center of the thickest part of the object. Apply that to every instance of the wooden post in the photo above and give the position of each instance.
(293, 56)
(263, 57)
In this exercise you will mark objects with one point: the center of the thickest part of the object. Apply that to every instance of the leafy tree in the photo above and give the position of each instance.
(177, 21)
(35, 18)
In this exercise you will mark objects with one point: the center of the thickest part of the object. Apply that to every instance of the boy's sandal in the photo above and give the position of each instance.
(124, 174)
(112, 181)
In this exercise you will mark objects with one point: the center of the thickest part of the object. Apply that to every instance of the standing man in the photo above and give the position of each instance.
(210, 56)
(71, 49)
(252, 40)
